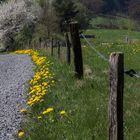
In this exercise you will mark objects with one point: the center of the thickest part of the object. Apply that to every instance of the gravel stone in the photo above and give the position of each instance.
(15, 72)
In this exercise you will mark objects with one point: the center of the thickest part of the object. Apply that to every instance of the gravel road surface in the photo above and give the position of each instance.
(15, 72)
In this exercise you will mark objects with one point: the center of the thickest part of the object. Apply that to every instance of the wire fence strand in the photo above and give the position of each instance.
(130, 73)
(93, 48)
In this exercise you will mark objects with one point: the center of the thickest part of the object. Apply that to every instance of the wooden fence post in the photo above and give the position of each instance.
(58, 44)
(116, 96)
(78, 60)
(68, 45)
(51, 45)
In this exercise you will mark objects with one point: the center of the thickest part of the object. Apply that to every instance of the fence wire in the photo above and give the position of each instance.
(93, 48)
(131, 72)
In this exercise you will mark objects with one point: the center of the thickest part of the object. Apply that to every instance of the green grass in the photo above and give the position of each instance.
(114, 36)
(86, 100)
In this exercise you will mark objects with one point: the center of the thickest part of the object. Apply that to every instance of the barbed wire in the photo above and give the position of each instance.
(131, 72)
(92, 47)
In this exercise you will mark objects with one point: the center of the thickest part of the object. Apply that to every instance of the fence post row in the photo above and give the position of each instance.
(78, 60)
(116, 96)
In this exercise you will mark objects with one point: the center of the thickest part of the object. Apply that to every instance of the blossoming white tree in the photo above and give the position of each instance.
(14, 14)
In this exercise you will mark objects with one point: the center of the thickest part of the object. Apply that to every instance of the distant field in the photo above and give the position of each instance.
(114, 22)
(114, 36)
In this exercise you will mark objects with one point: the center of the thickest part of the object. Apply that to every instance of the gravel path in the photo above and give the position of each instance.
(15, 72)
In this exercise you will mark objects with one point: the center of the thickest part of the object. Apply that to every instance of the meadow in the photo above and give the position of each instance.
(114, 35)
(85, 102)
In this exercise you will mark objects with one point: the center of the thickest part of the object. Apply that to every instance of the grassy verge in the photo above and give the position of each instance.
(85, 102)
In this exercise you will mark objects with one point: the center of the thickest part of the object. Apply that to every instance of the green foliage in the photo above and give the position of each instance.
(65, 9)
(49, 20)
(23, 37)
(134, 9)
(112, 22)
(94, 6)
(42, 2)
(72, 10)
(40, 34)
(83, 17)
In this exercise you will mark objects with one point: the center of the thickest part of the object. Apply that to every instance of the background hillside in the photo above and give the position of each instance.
(39, 20)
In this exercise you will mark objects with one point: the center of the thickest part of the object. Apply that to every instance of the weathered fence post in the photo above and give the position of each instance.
(78, 60)
(68, 45)
(116, 96)
(51, 45)
(40, 40)
(58, 45)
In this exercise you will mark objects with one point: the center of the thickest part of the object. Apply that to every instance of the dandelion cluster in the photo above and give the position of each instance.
(39, 85)
(42, 80)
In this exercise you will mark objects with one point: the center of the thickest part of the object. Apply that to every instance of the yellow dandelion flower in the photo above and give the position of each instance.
(23, 110)
(21, 134)
(45, 84)
(62, 113)
(39, 117)
(48, 110)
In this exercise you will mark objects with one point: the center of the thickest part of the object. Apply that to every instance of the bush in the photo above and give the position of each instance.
(24, 37)
(112, 23)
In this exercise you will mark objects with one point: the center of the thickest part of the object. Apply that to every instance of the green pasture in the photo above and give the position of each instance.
(86, 101)
(114, 36)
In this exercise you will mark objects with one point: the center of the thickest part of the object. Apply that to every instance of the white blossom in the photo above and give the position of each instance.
(14, 14)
